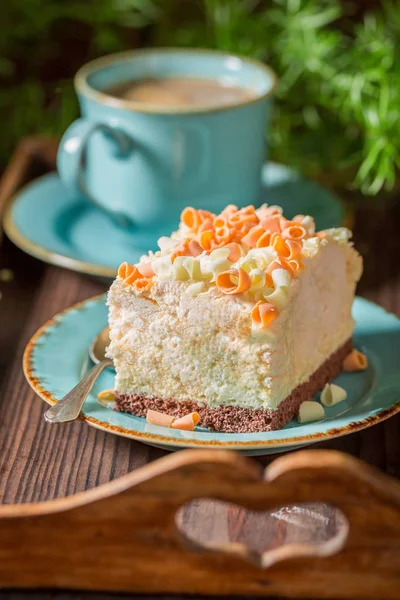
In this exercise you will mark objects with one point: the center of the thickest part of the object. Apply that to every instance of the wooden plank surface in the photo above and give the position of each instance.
(39, 461)
(123, 536)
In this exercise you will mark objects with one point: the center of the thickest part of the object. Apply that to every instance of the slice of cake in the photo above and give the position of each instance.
(239, 316)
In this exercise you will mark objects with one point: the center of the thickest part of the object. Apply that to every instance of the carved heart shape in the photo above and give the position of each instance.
(264, 537)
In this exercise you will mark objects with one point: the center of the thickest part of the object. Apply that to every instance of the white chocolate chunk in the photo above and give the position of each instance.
(332, 394)
(310, 411)
(311, 246)
(195, 289)
(339, 234)
(162, 267)
(309, 224)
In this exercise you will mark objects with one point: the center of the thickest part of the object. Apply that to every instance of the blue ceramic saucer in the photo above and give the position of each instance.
(51, 223)
(56, 357)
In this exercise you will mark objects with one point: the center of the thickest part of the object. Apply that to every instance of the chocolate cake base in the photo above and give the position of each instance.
(233, 419)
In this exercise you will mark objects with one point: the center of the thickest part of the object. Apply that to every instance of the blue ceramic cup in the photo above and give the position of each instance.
(144, 163)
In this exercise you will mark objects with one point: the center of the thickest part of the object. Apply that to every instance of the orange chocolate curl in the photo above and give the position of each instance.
(235, 251)
(296, 265)
(280, 246)
(223, 235)
(267, 211)
(220, 221)
(205, 225)
(233, 281)
(205, 214)
(294, 249)
(251, 238)
(180, 250)
(355, 361)
(187, 423)
(244, 215)
(157, 418)
(272, 224)
(264, 313)
(264, 240)
(125, 270)
(206, 240)
(229, 211)
(294, 232)
(191, 218)
(194, 248)
(281, 263)
(143, 285)
(131, 275)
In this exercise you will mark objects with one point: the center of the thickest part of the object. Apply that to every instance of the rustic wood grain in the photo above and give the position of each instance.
(125, 536)
(41, 462)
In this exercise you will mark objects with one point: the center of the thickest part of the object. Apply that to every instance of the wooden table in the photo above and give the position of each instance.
(39, 461)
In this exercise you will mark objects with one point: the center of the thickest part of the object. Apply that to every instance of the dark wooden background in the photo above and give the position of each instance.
(39, 461)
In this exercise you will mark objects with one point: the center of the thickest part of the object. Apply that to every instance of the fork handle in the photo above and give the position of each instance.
(70, 406)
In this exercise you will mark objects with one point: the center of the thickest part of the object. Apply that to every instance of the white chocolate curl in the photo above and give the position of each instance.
(257, 277)
(178, 270)
(332, 394)
(278, 298)
(215, 263)
(256, 258)
(192, 266)
(281, 279)
(247, 264)
(310, 411)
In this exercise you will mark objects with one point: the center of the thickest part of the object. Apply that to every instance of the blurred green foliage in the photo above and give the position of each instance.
(338, 95)
(43, 43)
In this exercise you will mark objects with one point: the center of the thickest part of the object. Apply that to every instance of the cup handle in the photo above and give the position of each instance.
(71, 157)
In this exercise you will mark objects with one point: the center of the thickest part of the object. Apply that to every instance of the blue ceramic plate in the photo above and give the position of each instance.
(51, 223)
(56, 357)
